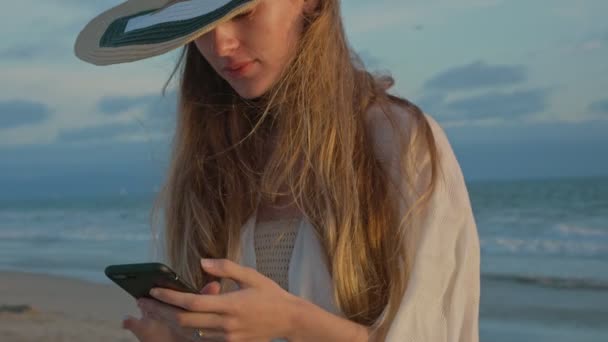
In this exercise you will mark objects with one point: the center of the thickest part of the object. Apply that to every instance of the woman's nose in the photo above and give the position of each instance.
(223, 39)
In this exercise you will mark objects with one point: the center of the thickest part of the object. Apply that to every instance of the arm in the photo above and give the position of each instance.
(441, 302)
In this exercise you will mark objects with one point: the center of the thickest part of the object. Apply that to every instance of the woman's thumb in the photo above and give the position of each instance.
(211, 288)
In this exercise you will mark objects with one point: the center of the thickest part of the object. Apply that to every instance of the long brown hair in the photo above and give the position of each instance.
(318, 115)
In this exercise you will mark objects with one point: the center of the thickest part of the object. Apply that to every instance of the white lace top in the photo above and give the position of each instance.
(274, 242)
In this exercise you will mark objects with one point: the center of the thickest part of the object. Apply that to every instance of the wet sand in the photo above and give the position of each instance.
(37, 307)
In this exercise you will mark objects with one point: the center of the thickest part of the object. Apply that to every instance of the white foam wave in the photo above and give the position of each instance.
(546, 246)
(567, 229)
(83, 235)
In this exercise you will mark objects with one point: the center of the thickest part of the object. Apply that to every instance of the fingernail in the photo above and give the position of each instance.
(207, 262)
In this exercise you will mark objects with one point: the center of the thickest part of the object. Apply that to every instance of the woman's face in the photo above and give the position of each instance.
(265, 38)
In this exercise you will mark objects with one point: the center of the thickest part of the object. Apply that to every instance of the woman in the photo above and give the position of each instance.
(338, 211)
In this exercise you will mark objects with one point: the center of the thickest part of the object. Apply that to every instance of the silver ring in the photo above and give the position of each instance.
(199, 333)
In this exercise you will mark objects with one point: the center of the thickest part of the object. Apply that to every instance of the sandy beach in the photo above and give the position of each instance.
(37, 307)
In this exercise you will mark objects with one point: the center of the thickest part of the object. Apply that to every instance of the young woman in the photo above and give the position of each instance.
(329, 210)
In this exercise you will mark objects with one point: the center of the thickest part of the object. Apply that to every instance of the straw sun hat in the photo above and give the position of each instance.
(138, 29)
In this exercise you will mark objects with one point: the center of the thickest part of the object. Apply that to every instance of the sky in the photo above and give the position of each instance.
(520, 87)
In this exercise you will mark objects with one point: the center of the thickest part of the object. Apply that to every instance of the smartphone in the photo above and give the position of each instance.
(138, 279)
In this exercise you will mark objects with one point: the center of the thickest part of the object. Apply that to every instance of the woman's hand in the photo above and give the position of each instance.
(259, 311)
(150, 328)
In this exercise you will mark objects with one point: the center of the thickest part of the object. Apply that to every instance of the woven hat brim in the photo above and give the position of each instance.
(105, 40)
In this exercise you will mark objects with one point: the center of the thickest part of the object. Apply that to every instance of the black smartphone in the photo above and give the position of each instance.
(138, 279)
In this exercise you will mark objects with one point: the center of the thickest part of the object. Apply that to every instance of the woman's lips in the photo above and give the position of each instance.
(241, 71)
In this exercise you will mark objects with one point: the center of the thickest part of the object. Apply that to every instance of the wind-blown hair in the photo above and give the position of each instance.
(317, 114)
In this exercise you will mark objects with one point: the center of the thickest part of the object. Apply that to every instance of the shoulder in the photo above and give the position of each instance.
(405, 138)
(386, 124)
(402, 119)
(394, 126)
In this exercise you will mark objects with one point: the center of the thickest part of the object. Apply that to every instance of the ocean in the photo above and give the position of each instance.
(544, 246)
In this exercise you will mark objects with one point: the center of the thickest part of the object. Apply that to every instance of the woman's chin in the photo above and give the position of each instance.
(249, 93)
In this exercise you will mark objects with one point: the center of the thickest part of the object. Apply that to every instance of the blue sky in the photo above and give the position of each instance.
(519, 86)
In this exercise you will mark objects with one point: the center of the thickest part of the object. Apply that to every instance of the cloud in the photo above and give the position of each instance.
(44, 51)
(105, 132)
(116, 104)
(505, 105)
(432, 102)
(477, 75)
(15, 113)
(157, 120)
(158, 113)
(600, 106)
(592, 42)
(154, 106)
(18, 52)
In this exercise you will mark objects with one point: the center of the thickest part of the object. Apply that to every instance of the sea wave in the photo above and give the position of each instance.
(546, 246)
(80, 235)
(551, 282)
(573, 230)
